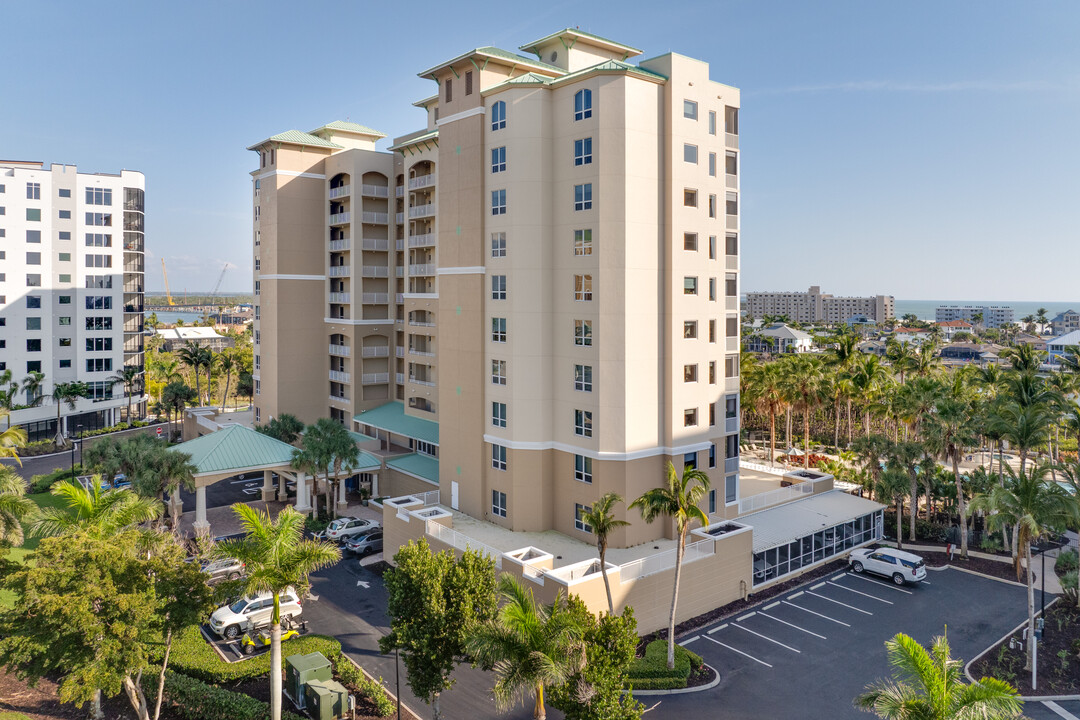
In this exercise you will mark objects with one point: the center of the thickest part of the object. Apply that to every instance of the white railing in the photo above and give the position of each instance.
(422, 181)
(425, 240)
(732, 222)
(400, 242)
(399, 218)
(423, 353)
(339, 400)
(339, 297)
(339, 376)
(421, 323)
(421, 211)
(399, 271)
(451, 537)
(340, 192)
(339, 270)
(375, 243)
(665, 560)
(760, 467)
(337, 245)
(731, 140)
(400, 377)
(375, 352)
(374, 378)
(399, 191)
(375, 298)
(375, 218)
(399, 351)
(339, 218)
(399, 298)
(379, 191)
(421, 382)
(339, 350)
(774, 497)
(429, 498)
(422, 269)
(375, 271)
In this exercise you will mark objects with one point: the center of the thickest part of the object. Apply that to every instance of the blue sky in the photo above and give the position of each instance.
(919, 149)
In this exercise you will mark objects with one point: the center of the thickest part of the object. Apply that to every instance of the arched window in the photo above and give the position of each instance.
(583, 104)
(498, 115)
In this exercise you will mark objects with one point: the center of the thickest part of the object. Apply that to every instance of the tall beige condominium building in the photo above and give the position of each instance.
(813, 306)
(536, 293)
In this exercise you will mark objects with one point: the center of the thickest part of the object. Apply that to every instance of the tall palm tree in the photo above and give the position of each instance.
(193, 356)
(908, 456)
(277, 557)
(8, 393)
(808, 385)
(927, 360)
(872, 452)
(529, 645)
(949, 434)
(602, 522)
(892, 487)
(14, 507)
(93, 510)
(11, 439)
(227, 362)
(1034, 507)
(901, 356)
(1025, 427)
(1040, 315)
(868, 375)
(930, 686)
(678, 499)
(32, 385)
(1023, 357)
(769, 398)
(67, 393)
(127, 377)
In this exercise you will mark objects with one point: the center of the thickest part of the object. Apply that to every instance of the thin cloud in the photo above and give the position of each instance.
(917, 87)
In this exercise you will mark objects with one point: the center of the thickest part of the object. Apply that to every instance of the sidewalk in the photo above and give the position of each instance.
(1053, 584)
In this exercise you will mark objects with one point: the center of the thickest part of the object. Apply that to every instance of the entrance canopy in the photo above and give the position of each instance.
(234, 449)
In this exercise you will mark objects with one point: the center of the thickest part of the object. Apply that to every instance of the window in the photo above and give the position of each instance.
(498, 159)
(731, 446)
(583, 468)
(99, 261)
(689, 241)
(449, 86)
(712, 499)
(690, 373)
(498, 414)
(583, 104)
(579, 513)
(583, 242)
(583, 197)
(64, 235)
(689, 198)
(65, 257)
(98, 364)
(98, 240)
(731, 120)
(690, 460)
(712, 455)
(33, 258)
(98, 302)
(583, 288)
(712, 164)
(65, 364)
(258, 386)
(583, 378)
(712, 372)
(65, 214)
(732, 161)
(498, 461)
(99, 219)
(33, 345)
(33, 236)
(498, 115)
(690, 418)
(498, 202)
(33, 323)
(498, 499)
(498, 372)
(583, 152)
(731, 366)
(583, 423)
(732, 327)
(426, 448)
(498, 244)
(33, 280)
(33, 191)
(583, 333)
(712, 122)
(689, 286)
(498, 287)
(99, 344)
(712, 247)
(712, 289)
(65, 299)
(498, 330)
(64, 193)
(731, 407)
(712, 206)
(33, 366)
(99, 323)
(732, 244)
(33, 214)
(689, 329)
(33, 302)
(712, 414)
(468, 82)
(712, 331)
(98, 196)
(689, 153)
(731, 285)
(689, 109)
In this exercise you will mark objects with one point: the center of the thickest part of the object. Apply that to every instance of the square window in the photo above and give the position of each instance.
(689, 241)
(498, 287)
(33, 258)
(33, 345)
(690, 329)
(33, 280)
(65, 257)
(690, 418)
(64, 193)
(583, 242)
(65, 364)
(65, 214)
(33, 323)
(64, 235)
(65, 299)
(498, 502)
(498, 244)
(689, 286)
(498, 372)
(583, 197)
(498, 202)
(65, 342)
(583, 423)
(689, 109)
(498, 461)
(33, 236)
(583, 378)
(583, 151)
(498, 330)
(579, 513)
(689, 153)
(690, 373)
(583, 333)
(65, 320)
(33, 302)
(690, 198)
(583, 288)
(498, 159)
(498, 414)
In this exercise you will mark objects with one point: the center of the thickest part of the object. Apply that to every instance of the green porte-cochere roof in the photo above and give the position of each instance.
(392, 418)
(235, 447)
(367, 462)
(424, 467)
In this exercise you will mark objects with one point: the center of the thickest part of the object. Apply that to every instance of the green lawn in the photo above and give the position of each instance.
(19, 554)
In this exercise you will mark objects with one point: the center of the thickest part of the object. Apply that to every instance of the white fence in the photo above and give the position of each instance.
(665, 560)
(774, 470)
(454, 539)
(774, 497)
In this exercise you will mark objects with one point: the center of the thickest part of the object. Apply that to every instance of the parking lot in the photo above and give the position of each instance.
(809, 652)
(1067, 709)
(238, 488)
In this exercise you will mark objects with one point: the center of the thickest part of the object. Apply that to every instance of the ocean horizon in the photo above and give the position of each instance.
(924, 309)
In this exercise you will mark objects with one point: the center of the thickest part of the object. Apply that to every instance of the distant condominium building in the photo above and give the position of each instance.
(1065, 322)
(989, 316)
(537, 292)
(71, 291)
(813, 306)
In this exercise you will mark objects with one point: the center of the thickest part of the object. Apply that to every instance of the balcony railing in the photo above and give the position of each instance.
(774, 497)
(375, 271)
(418, 381)
(400, 377)
(419, 241)
(421, 270)
(339, 271)
(375, 352)
(374, 378)
(421, 323)
(421, 352)
(665, 560)
(338, 245)
(379, 191)
(399, 218)
(399, 298)
(340, 192)
(339, 350)
(375, 243)
(422, 181)
(422, 211)
(375, 298)
(399, 271)
(339, 400)
(731, 140)
(399, 351)
(339, 376)
(375, 218)
(732, 222)
(399, 191)
(400, 242)
(339, 218)
(339, 297)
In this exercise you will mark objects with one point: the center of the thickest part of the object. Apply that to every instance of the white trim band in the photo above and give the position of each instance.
(292, 277)
(479, 110)
(290, 173)
(595, 454)
(347, 321)
(475, 270)
(420, 296)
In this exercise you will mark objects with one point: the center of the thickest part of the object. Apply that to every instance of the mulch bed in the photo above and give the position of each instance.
(259, 688)
(1059, 656)
(993, 568)
(42, 703)
(704, 676)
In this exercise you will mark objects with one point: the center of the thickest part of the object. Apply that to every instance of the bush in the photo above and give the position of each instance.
(316, 525)
(193, 656)
(651, 672)
(38, 447)
(1066, 562)
(42, 483)
(351, 675)
(196, 700)
(1069, 586)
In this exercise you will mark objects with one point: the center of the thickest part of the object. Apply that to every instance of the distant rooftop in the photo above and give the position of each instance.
(296, 137)
(575, 33)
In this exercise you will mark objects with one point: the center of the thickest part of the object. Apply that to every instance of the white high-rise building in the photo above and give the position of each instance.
(990, 316)
(71, 292)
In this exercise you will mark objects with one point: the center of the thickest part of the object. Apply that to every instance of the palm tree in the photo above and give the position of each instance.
(950, 433)
(93, 510)
(1034, 507)
(901, 356)
(1023, 357)
(872, 451)
(808, 385)
(769, 398)
(328, 448)
(193, 356)
(277, 557)
(11, 439)
(602, 522)
(908, 456)
(227, 362)
(1025, 427)
(677, 500)
(530, 646)
(892, 487)
(14, 506)
(1029, 323)
(176, 395)
(7, 396)
(868, 376)
(1040, 315)
(32, 384)
(67, 393)
(930, 686)
(127, 377)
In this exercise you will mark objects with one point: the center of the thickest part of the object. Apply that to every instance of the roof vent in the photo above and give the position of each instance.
(554, 55)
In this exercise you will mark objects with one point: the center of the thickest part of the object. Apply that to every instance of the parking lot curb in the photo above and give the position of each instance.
(1026, 698)
(682, 691)
(979, 574)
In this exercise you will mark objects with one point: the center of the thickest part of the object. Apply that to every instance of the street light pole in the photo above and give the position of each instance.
(397, 680)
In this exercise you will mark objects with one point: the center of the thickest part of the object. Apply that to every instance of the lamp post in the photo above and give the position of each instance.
(74, 440)
(397, 680)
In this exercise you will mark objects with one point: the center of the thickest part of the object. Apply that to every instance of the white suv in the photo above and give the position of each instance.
(902, 567)
(344, 528)
(251, 613)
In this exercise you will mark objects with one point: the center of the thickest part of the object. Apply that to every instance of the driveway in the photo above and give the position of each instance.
(809, 652)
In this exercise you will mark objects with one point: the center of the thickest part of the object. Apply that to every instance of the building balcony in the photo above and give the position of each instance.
(339, 245)
(732, 222)
(400, 377)
(379, 191)
(731, 140)
(399, 351)
(339, 376)
(340, 192)
(427, 269)
(374, 218)
(422, 211)
(341, 218)
(399, 191)
(421, 352)
(340, 271)
(399, 271)
(375, 271)
(339, 350)
(375, 244)
(399, 298)
(375, 298)
(339, 401)
(732, 181)
(399, 244)
(422, 181)
(422, 241)
(418, 381)
(339, 297)
(374, 378)
(399, 218)
(421, 323)
(375, 352)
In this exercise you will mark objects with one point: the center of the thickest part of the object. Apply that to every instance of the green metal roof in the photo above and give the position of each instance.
(414, 138)
(426, 101)
(359, 436)
(367, 462)
(296, 137)
(235, 447)
(581, 33)
(345, 126)
(528, 79)
(392, 418)
(608, 66)
(494, 52)
(424, 467)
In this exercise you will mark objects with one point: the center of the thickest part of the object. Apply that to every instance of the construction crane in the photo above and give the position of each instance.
(214, 292)
(168, 296)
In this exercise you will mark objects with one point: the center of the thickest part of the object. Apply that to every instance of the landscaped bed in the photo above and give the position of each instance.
(650, 672)
(1059, 656)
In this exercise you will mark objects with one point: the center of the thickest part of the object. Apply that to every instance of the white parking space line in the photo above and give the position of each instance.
(770, 607)
(684, 643)
(864, 612)
(766, 637)
(837, 577)
(717, 629)
(747, 615)
(792, 597)
(838, 622)
(1050, 704)
(815, 587)
(740, 652)
(857, 592)
(793, 625)
(881, 584)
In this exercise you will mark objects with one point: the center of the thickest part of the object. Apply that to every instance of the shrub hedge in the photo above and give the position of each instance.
(651, 672)
(42, 483)
(193, 656)
(1066, 562)
(196, 700)
(352, 675)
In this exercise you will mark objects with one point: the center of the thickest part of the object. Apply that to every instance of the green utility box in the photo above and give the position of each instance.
(326, 699)
(300, 670)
